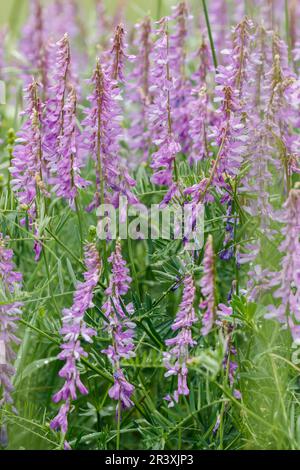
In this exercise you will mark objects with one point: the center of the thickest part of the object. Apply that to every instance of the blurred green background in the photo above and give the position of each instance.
(11, 11)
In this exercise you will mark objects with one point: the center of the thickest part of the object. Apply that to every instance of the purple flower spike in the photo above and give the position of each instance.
(27, 165)
(218, 16)
(101, 136)
(181, 91)
(120, 281)
(73, 329)
(118, 55)
(103, 19)
(102, 132)
(175, 360)
(62, 16)
(230, 133)
(120, 327)
(198, 124)
(33, 34)
(160, 118)
(288, 311)
(10, 284)
(54, 119)
(34, 44)
(139, 93)
(230, 136)
(207, 284)
(67, 169)
(121, 390)
(198, 108)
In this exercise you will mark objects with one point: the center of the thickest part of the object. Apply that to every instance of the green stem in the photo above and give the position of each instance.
(119, 425)
(221, 427)
(52, 339)
(50, 291)
(159, 300)
(37, 330)
(213, 51)
(235, 242)
(179, 438)
(42, 205)
(77, 205)
(131, 257)
(62, 441)
(64, 247)
(10, 148)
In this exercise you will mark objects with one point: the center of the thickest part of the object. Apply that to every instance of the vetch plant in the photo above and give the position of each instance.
(73, 328)
(152, 163)
(10, 284)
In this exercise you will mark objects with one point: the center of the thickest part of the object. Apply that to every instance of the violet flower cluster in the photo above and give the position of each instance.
(139, 92)
(230, 132)
(163, 159)
(34, 44)
(103, 20)
(176, 359)
(120, 328)
(102, 132)
(198, 108)
(10, 312)
(271, 122)
(282, 117)
(239, 151)
(101, 136)
(27, 164)
(74, 329)
(218, 15)
(287, 279)
(118, 55)
(181, 90)
(62, 16)
(54, 116)
(46, 25)
(67, 169)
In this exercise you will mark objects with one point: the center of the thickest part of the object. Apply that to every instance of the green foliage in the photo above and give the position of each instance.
(268, 414)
